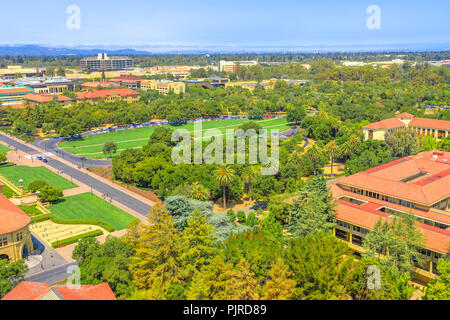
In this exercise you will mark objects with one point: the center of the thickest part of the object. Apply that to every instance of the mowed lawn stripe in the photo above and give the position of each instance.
(87, 206)
(30, 174)
(90, 146)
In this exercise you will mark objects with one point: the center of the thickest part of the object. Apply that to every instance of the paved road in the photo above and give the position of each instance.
(52, 276)
(51, 145)
(104, 188)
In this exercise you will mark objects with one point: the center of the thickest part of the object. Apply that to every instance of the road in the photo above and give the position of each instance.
(53, 275)
(51, 145)
(120, 196)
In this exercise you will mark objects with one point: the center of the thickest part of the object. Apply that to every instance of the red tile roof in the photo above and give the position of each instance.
(405, 115)
(430, 123)
(106, 93)
(36, 291)
(391, 123)
(385, 179)
(95, 84)
(15, 90)
(11, 217)
(44, 98)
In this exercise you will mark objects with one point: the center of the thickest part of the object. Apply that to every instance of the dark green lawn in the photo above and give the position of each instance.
(87, 206)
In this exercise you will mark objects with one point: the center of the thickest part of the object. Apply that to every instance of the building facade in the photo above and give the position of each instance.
(108, 95)
(13, 72)
(15, 237)
(55, 85)
(233, 66)
(128, 80)
(43, 98)
(417, 185)
(11, 95)
(164, 86)
(425, 127)
(104, 62)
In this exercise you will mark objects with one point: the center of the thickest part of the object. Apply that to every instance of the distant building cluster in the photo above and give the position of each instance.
(104, 62)
(233, 66)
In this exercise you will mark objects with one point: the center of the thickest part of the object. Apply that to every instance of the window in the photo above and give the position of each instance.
(4, 241)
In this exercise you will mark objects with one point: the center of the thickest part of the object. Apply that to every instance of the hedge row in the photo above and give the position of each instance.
(74, 239)
(101, 224)
(58, 220)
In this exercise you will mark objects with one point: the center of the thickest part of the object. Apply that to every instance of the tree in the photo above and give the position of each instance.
(50, 72)
(249, 175)
(61, 72)
(224, 176)
(70, 130)
(11, 274)
(402, 142)
(36, 185)
(296, 114)
(109, 147)
(315, 154)
(199, 192)
(50, 194)
(439, 288)
(319, 265)
(241, 216)
(348, 147)
(108, 262)
(333, 152)
(3, 158)
(280, 286)
(396, 244)
(156, 264)
(312, 212)
(197, 245)
(252, 220)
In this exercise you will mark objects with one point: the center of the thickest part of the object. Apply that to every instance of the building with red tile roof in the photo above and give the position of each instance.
(41, 291)
(436, 128)
(109, 95)
(419, 185)
(99, 85)
(130, 81)
(15, 237)
(13, 95)
(42, 98)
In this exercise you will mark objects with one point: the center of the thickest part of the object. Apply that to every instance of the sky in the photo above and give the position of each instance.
(264, 23)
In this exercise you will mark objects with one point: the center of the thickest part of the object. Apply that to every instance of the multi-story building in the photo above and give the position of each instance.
(128, 80)
(99, 85)
(436, 128)
(233, 66)
(109, 95)
(164, 86)
(13, 72)
(418, 185)
(10, 95)
(104, 62)
(56, 85)
(15, 237)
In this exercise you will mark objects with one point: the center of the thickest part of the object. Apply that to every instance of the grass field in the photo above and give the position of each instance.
(4, 149)
(92, 146)
(30, 174)
(87, 206)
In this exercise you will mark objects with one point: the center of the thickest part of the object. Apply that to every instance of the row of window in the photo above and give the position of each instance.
(383, 197)
(4, 240)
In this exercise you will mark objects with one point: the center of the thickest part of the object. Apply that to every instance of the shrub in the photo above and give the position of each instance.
(252, 220)
(241, 216)
(8, 192)
(231, 216)
(50, 194)
(74, 239)
(37, 185)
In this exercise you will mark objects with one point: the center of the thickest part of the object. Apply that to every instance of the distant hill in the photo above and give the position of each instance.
(37, 50)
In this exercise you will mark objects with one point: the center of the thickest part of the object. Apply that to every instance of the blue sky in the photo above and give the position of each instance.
(230, 23)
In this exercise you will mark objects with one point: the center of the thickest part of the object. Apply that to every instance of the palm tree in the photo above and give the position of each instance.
(333, 152)
(314, 154)
(349, 146)
(199, 192)
(249, 175)
(224, 176)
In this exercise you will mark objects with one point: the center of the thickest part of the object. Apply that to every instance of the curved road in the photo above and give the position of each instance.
(51, 145)
(118, 195)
